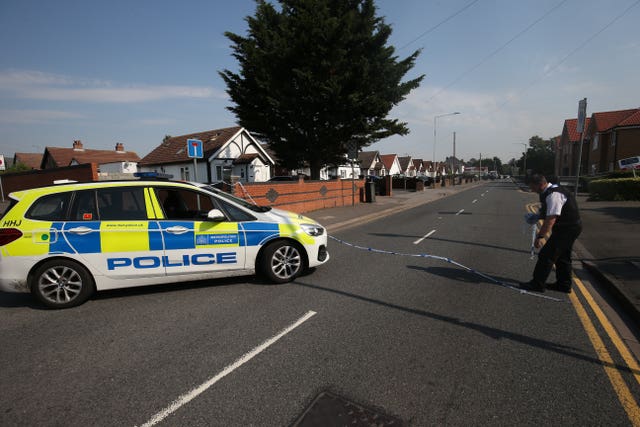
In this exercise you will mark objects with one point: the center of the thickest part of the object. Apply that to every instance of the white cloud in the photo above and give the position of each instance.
(50, 87)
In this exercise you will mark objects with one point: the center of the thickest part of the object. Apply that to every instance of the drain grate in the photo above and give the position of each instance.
(330, 410)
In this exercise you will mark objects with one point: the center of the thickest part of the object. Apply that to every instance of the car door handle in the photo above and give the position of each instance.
(177, 230)
(80, 230)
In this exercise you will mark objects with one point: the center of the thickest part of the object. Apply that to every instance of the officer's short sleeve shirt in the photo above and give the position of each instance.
(555, 201)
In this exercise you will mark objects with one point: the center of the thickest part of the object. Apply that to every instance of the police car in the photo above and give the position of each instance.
(63, 242)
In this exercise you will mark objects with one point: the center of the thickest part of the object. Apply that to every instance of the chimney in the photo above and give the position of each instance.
(77, 145)
(120, 147)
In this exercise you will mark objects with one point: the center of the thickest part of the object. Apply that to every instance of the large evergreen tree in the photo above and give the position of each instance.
(317, 76)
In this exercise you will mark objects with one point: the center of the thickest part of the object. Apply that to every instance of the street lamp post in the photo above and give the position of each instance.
(434, 140)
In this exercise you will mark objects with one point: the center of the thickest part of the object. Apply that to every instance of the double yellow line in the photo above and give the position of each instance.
(615, 377)
(621, 389)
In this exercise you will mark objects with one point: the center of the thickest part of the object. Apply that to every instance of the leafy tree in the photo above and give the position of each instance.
(17, 167)
(540, 157)
(316, 76)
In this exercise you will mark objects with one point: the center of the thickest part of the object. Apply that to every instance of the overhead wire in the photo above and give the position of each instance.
(496, 51)
(444, 21)
(569, 55)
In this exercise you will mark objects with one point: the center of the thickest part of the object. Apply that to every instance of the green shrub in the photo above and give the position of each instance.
(615, 189)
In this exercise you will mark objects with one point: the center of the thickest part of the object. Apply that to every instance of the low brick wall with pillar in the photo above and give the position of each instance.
(302, 196)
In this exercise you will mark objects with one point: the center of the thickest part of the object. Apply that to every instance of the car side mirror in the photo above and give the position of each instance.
(216, 215)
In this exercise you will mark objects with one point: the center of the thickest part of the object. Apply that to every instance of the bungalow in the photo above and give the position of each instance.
(31, 160)
(344, 170)
(391, 164)
(406, 166)
(228, 152)
(418, 166)
(109, 162)
(371, 164)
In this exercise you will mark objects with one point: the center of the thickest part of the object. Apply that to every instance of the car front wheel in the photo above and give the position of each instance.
(282, 262)
(61, 284)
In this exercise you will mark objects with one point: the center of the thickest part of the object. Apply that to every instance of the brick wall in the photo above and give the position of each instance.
(39, 178)
(302, 196)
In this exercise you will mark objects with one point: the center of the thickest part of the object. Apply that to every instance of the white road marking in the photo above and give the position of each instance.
(459, 212)
(189, 396)
(474, 200)
(424, 237)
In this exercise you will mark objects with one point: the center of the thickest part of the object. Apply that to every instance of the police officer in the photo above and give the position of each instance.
(559, 212)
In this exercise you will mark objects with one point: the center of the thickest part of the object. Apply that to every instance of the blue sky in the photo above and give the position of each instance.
(134, 71)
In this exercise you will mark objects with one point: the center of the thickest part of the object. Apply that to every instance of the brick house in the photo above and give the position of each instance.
(110, 163)
(612, 135)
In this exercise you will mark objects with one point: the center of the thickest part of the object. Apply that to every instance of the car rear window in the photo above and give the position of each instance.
(52, 207)
(3, 212)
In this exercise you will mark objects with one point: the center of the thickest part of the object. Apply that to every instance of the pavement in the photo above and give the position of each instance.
(609, 246)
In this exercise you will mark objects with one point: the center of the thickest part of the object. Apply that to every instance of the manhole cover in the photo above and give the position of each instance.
(330, 410)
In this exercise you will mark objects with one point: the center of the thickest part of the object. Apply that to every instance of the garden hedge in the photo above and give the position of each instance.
(615, 189)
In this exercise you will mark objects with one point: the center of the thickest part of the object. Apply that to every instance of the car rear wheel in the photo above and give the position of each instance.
(61, 284)
(282, 262)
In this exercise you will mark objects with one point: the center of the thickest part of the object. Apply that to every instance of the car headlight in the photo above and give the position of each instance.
(312, 229)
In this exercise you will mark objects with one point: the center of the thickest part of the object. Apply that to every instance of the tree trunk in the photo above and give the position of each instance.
(315, 167)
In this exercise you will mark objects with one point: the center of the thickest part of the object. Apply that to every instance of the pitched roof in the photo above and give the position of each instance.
(632, 120)
(418, 163)
(244, 159)
(64, 156)
(367, 158)
(405, 162)
(174, 149)
(571, 126)
(388, 159)
(609, 119)
(33, 160)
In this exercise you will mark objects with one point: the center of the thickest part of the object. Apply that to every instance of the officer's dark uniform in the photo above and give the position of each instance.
(558, 248)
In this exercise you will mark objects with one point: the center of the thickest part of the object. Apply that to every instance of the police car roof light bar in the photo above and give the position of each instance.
(152, 175)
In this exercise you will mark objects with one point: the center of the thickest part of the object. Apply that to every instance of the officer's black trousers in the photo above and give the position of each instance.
(557, 251)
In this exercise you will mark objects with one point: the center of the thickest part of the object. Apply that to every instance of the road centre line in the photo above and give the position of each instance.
(424, 237)
(474, 201)
(187, 397)
(459, 212)
(619, 386)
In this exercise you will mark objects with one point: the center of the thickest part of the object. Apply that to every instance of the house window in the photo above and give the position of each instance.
(343, 173)
(596, 138)
(219, 176)
(613, 139)
(184, 174)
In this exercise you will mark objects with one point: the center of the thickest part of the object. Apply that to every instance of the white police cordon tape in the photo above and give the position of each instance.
(532, 219)
(450, 261)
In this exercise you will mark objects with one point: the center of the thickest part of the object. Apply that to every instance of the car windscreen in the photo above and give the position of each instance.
(238, 200)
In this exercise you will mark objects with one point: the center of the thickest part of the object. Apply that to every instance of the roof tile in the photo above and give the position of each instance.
(174, 149)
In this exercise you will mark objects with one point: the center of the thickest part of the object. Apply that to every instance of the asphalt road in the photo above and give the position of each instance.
(417, 339)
